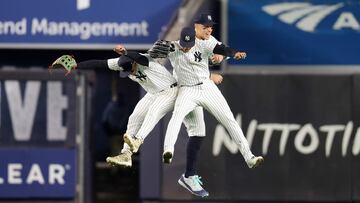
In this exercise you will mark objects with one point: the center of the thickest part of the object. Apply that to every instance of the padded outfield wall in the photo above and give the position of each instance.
(296, 97)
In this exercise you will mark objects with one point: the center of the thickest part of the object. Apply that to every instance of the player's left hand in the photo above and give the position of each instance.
(217, 78)
(240, 55)
(65, 61)
(161, 49)
(216, 58)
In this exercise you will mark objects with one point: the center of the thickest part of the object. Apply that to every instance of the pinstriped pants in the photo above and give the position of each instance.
(208, 96)
(152, 107)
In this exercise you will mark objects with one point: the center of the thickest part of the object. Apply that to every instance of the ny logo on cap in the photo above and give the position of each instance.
(187, 38)
(209, 17)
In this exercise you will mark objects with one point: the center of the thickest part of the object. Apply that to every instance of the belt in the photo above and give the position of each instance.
(174, 85)
(171, 86)
(200, 83)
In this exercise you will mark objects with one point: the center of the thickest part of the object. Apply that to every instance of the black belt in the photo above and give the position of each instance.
(174, 85)
(171, 86)
(200, 83)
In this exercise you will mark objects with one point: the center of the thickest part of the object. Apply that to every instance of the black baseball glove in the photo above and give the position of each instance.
(161, 49)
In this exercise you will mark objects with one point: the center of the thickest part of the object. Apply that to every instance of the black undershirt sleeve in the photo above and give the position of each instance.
(224, 50)
(140, 59)
(91, 64)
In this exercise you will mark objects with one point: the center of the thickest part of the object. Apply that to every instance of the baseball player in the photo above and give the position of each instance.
(190, 180)
(197, 90)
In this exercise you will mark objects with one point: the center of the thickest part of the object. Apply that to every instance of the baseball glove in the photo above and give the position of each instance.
(65, 61)
(161, 49)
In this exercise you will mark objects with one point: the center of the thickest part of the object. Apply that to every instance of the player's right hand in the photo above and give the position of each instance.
(120, 49)
(216, 58)
(217, 78)
(240, 55)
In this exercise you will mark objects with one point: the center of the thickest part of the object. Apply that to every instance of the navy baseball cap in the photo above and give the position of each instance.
(204, 19)
(125, 63)
(187, 37)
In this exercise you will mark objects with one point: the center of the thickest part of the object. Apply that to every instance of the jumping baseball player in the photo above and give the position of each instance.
(190, 180)
(197, 90)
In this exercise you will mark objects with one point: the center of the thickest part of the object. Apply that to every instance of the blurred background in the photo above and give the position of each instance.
(296, 97)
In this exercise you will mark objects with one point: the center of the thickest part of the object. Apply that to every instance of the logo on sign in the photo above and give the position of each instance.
(49, 172)
(23, 108)
(55, 174)
(301, 132)
(306, 16)
(82, 4)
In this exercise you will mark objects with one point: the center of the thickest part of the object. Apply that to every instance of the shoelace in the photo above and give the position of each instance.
(198, 180)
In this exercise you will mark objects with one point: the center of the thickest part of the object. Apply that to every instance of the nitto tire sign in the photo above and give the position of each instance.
(306, 138)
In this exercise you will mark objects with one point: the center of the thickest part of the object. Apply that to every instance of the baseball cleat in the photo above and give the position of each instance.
(193, 184)
(123, 159)
(133, 142)
(167, 157)
(255, 161)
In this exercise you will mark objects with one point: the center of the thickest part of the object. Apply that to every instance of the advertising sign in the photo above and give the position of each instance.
(295, 32)
(305, 126)
(34, 173)
(38, 152)
(37, 110)
(83, 23)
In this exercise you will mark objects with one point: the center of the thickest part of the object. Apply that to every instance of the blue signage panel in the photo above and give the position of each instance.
(37, 110)
(83, 22)
(295, 32)
(37, 173)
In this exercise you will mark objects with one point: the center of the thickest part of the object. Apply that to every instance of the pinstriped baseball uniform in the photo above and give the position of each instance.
(196, 89)
(160, 98)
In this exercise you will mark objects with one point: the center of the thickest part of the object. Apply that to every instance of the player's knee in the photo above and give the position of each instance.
(230, 122)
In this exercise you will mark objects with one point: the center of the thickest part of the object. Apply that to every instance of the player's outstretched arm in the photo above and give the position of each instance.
(227, 51)
(136, 56)
(68, 63)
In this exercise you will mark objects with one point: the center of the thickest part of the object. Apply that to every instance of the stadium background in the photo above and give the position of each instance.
(296, 96)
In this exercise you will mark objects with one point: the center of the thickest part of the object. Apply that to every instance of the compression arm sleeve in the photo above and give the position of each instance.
(112, 64)
(224, 50)
(92, 64)
(140, 59)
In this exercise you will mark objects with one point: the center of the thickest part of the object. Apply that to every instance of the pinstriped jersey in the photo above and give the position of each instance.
(153, 78)
(193, 67)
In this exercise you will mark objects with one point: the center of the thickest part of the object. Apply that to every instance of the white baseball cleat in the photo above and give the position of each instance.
(194, 185)
(133, 142)
(123, 159)
(167, 157)
(254, 161)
